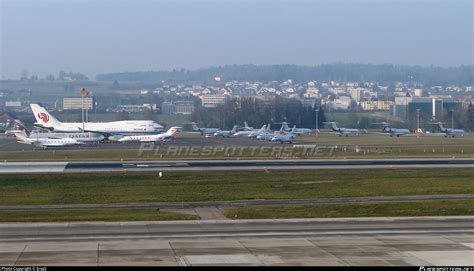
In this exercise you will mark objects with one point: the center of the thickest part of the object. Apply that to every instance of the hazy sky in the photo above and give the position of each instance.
(93, 36)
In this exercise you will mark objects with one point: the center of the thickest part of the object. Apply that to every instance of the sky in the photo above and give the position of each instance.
(103, 36)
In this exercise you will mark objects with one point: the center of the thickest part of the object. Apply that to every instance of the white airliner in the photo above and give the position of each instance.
(294, 130)
(124, 127)
(342, 131)
(82, 137)
(165, 137)
(45, 142)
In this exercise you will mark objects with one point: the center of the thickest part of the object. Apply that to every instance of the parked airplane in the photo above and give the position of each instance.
(246, 127)
(226, 133)
(294, 130)
(82, 137)
(124, 127)
(204, 131)
(22, 137)
(165, 137)
(265, 136)
(393, 131)
(288, 138)
(264, 129)
(343, 131)
(249, 132)
(449, 131)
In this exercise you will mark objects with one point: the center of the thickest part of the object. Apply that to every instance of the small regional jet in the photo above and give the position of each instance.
(165, 137)
(251, 132)
(342, 131)
(204, 131)
(393, 131)
(22, 137)
(449, 131)
(288, 138)
(294, 130)
(226, 133)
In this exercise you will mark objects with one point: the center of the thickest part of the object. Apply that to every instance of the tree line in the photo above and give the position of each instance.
(257, 113)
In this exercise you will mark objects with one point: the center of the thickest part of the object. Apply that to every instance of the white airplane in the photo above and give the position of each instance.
(265, 136)
(165, 137)
(393, 131)
(294, 130)
(124, 127)
(249, 132)
(246, 127)
(288, 138)
(342, 131)
(226, 133)
(449, 131)
(22, 137)
(81, 137)
(204, 131)
(263, 130)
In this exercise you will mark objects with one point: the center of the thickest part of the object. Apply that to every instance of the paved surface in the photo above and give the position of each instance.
(98, 166)
(237, 203)
(376, 241)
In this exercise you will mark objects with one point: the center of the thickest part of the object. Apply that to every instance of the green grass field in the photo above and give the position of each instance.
(393, 209)
(129, 187)
(91, 215)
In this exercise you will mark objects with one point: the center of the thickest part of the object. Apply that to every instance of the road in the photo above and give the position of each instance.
(107, 166)
(348, 241)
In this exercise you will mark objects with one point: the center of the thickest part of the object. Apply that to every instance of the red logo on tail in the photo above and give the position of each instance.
(43, 117)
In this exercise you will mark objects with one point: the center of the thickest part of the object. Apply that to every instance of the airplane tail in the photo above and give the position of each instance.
(263, 128)
(173, 131)
(441, 126)
(284, 125)
(21, 136)
(43, 117)
(195, 127)
(234, 129)
(19, 126)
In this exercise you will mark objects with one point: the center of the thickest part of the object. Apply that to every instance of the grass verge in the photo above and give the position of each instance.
(91, 215)
(129, 187)
(392, 209)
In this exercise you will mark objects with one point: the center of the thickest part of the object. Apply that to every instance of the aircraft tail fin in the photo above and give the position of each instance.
(441, 126)
(19, 126)
(173, 131)
(43, 117)
(194, 126)
(234, 129)
(21, 136)
(285, 126)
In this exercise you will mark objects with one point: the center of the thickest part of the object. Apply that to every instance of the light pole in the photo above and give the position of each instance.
(317, 110)
(417, 122)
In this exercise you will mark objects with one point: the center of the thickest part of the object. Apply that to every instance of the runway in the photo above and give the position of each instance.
(349, 241)
(189, 165)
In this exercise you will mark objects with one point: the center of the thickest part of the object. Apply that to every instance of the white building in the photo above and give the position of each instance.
(76, 103)
(210, 101)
